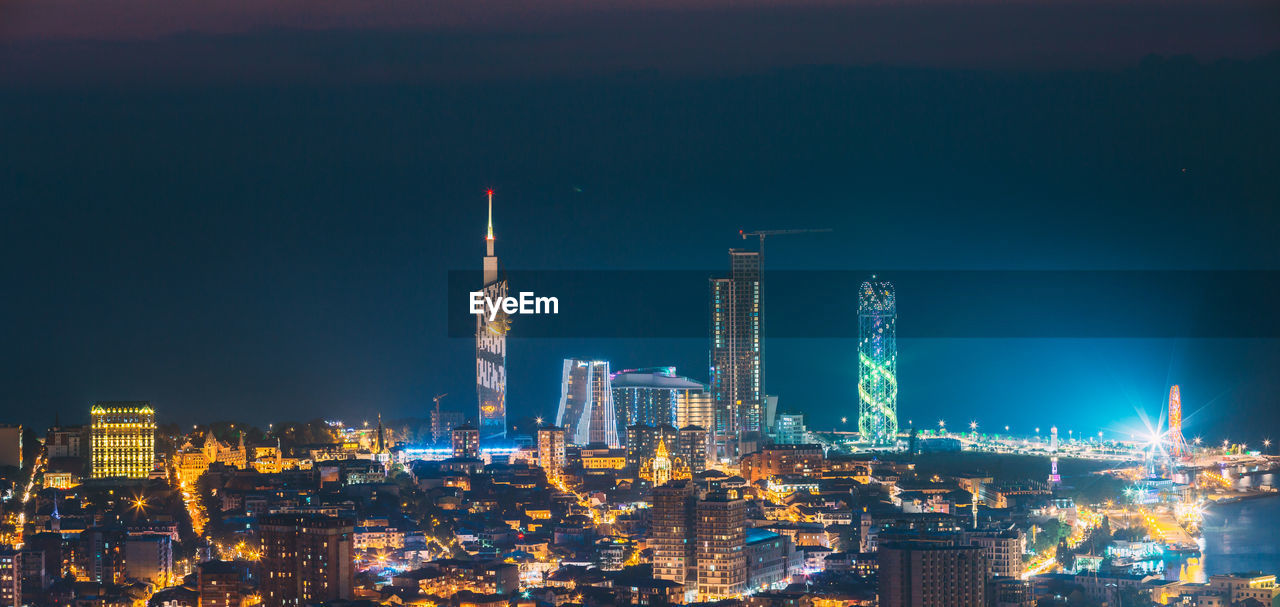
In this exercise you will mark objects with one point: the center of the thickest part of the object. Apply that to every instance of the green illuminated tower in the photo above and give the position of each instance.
(877, 363)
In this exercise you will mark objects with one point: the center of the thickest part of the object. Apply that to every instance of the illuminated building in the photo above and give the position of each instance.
(782, 460)
(721, 533)
(693, 447)
(695, 407)
(306, 559)
(491, 346)
(649, 397)
(673, 529)
(466, 441)
(191, 462)
(642, 443)
(771, 559)
(931, 574)
(11, 445)
(1177, 443)
(586, 403)
(221, 584)
(1054, 477)
(788, 429)
(737, 347)
(23, 579)
(603, 458)
(1003, 550)
(123, 438)
(877, 363)
(551, 451)
(662, 467)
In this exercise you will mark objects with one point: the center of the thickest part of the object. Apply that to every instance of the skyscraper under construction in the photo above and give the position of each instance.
(877, 362)
(737, 346)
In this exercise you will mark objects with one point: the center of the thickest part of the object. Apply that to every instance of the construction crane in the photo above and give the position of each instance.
(436, 421)
(762, 234)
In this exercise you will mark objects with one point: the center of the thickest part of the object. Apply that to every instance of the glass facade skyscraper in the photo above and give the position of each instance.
(737, 346)
(649, 397)
(877, 362)
(586, 403)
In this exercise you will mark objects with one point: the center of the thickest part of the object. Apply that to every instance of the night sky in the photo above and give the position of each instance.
(247, 210)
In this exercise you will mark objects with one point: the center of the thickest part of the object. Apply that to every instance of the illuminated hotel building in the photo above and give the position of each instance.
(123, 439)
(649, 397)
(877, 363)
(737, 346)
(586, 403)
(491, 347)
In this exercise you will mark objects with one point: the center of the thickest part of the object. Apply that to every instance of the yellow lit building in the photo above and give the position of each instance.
(123, 438)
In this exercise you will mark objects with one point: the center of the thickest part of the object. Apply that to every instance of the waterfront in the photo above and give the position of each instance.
(1244, 535)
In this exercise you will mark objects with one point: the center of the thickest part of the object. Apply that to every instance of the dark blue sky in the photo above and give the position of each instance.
(257, 223)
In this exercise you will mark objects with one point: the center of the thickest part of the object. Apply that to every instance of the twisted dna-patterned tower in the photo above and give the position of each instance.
(877, 363)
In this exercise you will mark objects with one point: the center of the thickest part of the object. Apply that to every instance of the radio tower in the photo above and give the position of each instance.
(1177, 444)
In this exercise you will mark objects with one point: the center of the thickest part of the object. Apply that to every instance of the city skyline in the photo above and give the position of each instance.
(321, 303)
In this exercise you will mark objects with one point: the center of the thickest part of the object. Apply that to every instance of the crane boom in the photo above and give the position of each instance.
(763, 233)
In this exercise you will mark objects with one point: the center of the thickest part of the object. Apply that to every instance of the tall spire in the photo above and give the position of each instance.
(490, 235)
(488, 239)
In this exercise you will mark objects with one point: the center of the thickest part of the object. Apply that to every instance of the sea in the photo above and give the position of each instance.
(1243, 536)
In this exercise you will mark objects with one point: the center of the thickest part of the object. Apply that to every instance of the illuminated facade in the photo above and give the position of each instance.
(1054, 477)
(191, 462)
(491, 347)
(586, 403)
(663, 467)
(308, 557)
(695, 407)
(877, 363)
(674, 524)
(551, 452)
(466, 442)
(737, 346)
(721, 533)
(788, 429)
(649, 397)
(693, 447)
(642, 443)
(123, 439)
(1177, 443)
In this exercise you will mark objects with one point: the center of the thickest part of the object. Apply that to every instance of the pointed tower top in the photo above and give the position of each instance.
(490, 234)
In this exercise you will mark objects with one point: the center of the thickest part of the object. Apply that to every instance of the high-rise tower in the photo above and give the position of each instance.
(1177, 443)
(491, 347)
(878, 363)
(586, 403)
(737, 346)
(1054, 477)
